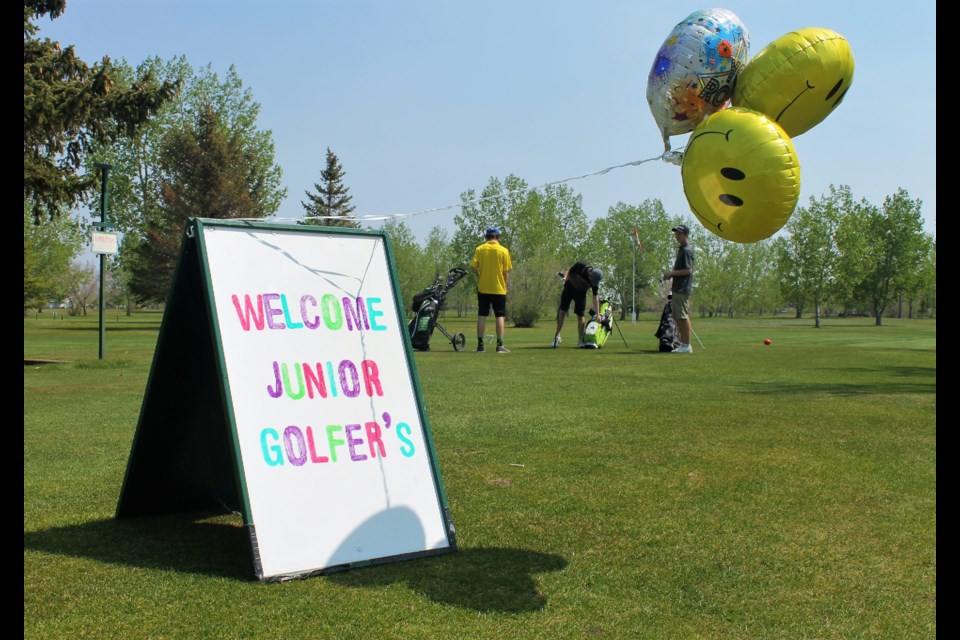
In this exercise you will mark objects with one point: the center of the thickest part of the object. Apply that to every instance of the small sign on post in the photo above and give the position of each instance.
(104, 242)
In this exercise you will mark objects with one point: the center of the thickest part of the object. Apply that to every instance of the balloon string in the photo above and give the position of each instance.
(372, 217)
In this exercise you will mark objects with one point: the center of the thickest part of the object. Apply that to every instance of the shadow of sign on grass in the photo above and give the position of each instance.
(485, 580)
(179, 543)
(491, 580)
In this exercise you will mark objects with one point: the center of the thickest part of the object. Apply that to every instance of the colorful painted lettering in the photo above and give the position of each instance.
(299, 446)
(272, 311)
(313, 381)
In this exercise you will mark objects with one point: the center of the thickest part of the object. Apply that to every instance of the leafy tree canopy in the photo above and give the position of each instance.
(135, 192)
(48, 251)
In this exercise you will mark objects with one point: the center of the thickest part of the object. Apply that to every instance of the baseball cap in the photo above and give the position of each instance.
(492, 231)
(681, 228)
(596, 276)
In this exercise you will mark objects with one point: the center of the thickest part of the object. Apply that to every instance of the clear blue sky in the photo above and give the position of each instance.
(424, 99)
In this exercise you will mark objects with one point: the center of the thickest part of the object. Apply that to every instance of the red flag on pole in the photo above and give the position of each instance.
(636, 236)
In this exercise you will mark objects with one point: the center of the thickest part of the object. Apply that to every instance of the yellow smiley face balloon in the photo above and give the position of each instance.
(798, 79)
(741, 175)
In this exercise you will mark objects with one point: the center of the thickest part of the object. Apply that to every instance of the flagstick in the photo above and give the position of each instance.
(633, 309)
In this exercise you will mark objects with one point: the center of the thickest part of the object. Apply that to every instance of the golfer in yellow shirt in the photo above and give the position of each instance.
(491, 262)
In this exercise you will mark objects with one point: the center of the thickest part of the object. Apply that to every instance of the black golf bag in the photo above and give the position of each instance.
(426, 307)
(667, 331)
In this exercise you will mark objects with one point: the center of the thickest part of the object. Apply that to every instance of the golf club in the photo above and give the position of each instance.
(617, 325)
(698, 338)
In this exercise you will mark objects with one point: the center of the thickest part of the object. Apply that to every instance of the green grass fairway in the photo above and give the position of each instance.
(741, 492)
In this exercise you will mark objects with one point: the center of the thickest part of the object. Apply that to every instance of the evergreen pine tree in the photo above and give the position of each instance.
(68, 106)
(204, 173)
(331, 198)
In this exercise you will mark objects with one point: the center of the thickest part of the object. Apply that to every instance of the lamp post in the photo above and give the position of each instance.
(104, 174)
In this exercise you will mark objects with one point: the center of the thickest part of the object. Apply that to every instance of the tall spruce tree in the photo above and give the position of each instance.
(67, 107)
(204, 173)
(331, 198)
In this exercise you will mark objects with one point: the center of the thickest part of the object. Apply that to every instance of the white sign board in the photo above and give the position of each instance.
(104, 242)
(336, 460)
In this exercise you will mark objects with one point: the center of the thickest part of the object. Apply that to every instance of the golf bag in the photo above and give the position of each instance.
(600, 326)
(426, 307)
(667, 331)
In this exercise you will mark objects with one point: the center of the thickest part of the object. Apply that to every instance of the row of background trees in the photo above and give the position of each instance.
(836, 256)
(839, 256)
(183, 142)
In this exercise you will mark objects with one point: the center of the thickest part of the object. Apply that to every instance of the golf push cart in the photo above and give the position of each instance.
(427, 305)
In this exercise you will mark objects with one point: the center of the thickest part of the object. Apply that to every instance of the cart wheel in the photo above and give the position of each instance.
(459, 341)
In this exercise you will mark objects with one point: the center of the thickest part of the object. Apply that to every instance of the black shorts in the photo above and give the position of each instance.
(496, 300)
(578, 298)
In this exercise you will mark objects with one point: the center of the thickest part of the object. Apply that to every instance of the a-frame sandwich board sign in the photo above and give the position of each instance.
(284, 387)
